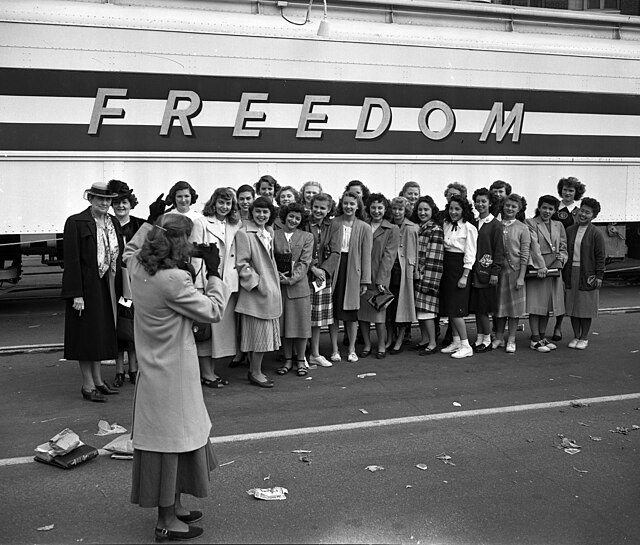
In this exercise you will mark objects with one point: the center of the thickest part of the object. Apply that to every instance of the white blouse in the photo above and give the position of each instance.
(463, 240)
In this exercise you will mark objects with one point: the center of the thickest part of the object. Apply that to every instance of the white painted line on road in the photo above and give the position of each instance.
(380, 423)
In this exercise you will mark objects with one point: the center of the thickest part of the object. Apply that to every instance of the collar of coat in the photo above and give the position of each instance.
(251, 227)
(386, 224)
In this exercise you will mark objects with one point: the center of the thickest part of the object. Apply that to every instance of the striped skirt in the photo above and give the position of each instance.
(258, 335)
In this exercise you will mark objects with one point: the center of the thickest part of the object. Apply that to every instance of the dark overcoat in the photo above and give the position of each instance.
(90, 335)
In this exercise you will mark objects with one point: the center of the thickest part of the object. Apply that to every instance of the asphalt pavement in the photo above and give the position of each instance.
(499, 417)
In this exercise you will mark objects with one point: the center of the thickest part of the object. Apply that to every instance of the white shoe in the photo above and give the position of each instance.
(582, 344)
(335, 357)
(539, 346)
(320, 361)
(352, 357)
(573, 343)
(548, 344)
(453, 347)
(511, 347)
(463, 352)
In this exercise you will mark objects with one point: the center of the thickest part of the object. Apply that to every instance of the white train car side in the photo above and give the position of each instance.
(222, 92)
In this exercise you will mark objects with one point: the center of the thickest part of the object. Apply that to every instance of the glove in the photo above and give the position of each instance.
(211, 257)
(156, 209)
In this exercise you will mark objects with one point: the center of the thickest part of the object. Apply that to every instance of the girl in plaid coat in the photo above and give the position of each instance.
(430, 259)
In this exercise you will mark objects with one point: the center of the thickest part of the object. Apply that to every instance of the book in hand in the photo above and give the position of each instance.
(77, 456)
(284, 263)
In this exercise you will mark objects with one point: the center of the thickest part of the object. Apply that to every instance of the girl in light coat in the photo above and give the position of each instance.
(218, 225)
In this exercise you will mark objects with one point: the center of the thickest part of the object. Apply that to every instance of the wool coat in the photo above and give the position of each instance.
(384, 250)
(545, 245)
(430, 267)
(91, 335)
(259, 293)
(592, 257)
(301, 250)
(203, 232)
(359, 262)
(408, 259)
(169, 413)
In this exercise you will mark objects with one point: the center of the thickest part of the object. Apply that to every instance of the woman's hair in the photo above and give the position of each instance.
(435, 212)
(325, 197)
(263, 202)
(296, 195)
(307, 184)
(573, 183)
(118, 186)
(365, 189)
(500, 184)
(379, 197)
(409, 185)
(171, 197)
(404, 203)
(520, 201)
(359, 210)
(226, 193)
(547, 199)
(593, 204)
(467, 211)
(167, 244)
(294, 207)
(457, 185)
(480, 192)
(244, 188)
(270, 180)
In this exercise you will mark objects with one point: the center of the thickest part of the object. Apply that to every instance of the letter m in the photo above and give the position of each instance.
(496, 116)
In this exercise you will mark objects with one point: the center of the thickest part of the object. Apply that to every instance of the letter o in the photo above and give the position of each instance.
(423, 118)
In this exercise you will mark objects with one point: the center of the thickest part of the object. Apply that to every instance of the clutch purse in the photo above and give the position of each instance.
(533, 273)
(381, 300)
(283, 263)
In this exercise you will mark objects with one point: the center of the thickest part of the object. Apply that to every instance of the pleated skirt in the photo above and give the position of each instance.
(511, 302)
(322, 307)
(259, 335)
(454, 301)
(581, 304)
(158, 476)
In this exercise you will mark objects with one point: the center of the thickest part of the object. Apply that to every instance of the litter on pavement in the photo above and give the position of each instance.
(104, 428)
(421, 466)
(374, 468)
(365, 375)
(46, 528)
(273, 493)
(364, 411)
(445, 458)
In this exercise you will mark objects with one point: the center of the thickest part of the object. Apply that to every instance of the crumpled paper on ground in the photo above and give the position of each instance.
(274, 493)
(61, 443)
(120, 445)
(104, 428)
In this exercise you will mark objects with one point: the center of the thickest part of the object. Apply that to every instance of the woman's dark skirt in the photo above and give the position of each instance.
(483, 300)
(159, 476)
(339, 313)
(395, 280)
(454, 301)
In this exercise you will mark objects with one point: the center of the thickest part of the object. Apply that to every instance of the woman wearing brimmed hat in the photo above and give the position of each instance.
(91, 286)
(122, 204)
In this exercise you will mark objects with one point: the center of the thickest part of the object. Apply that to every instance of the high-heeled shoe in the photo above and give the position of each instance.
(262, 383)
(133, 376)
(93, 395)
(162, 534)
(242, 362)
(119, 380)
(106, 389)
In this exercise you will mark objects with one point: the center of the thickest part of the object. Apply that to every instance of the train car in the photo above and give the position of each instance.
(221, 92)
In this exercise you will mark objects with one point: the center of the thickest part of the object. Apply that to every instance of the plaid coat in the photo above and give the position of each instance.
(430, 258)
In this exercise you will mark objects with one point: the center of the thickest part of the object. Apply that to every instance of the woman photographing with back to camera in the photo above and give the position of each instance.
(171, 426)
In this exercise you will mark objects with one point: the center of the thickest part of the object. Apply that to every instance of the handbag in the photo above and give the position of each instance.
(381, 300)
(124, 323)
(201, 331)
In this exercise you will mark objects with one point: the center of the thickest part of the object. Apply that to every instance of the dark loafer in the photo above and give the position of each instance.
(428, 351)
(381, 355)
(106, 389)
(119, 381)
(262, 383)
(162, 534)
(93, 395)
(193, 516)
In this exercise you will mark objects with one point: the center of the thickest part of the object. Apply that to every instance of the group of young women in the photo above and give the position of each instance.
(296, 261)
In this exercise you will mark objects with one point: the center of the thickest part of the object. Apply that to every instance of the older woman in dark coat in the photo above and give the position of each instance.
(91, 286)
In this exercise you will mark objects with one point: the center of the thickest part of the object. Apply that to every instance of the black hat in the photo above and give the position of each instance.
(121, 189)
